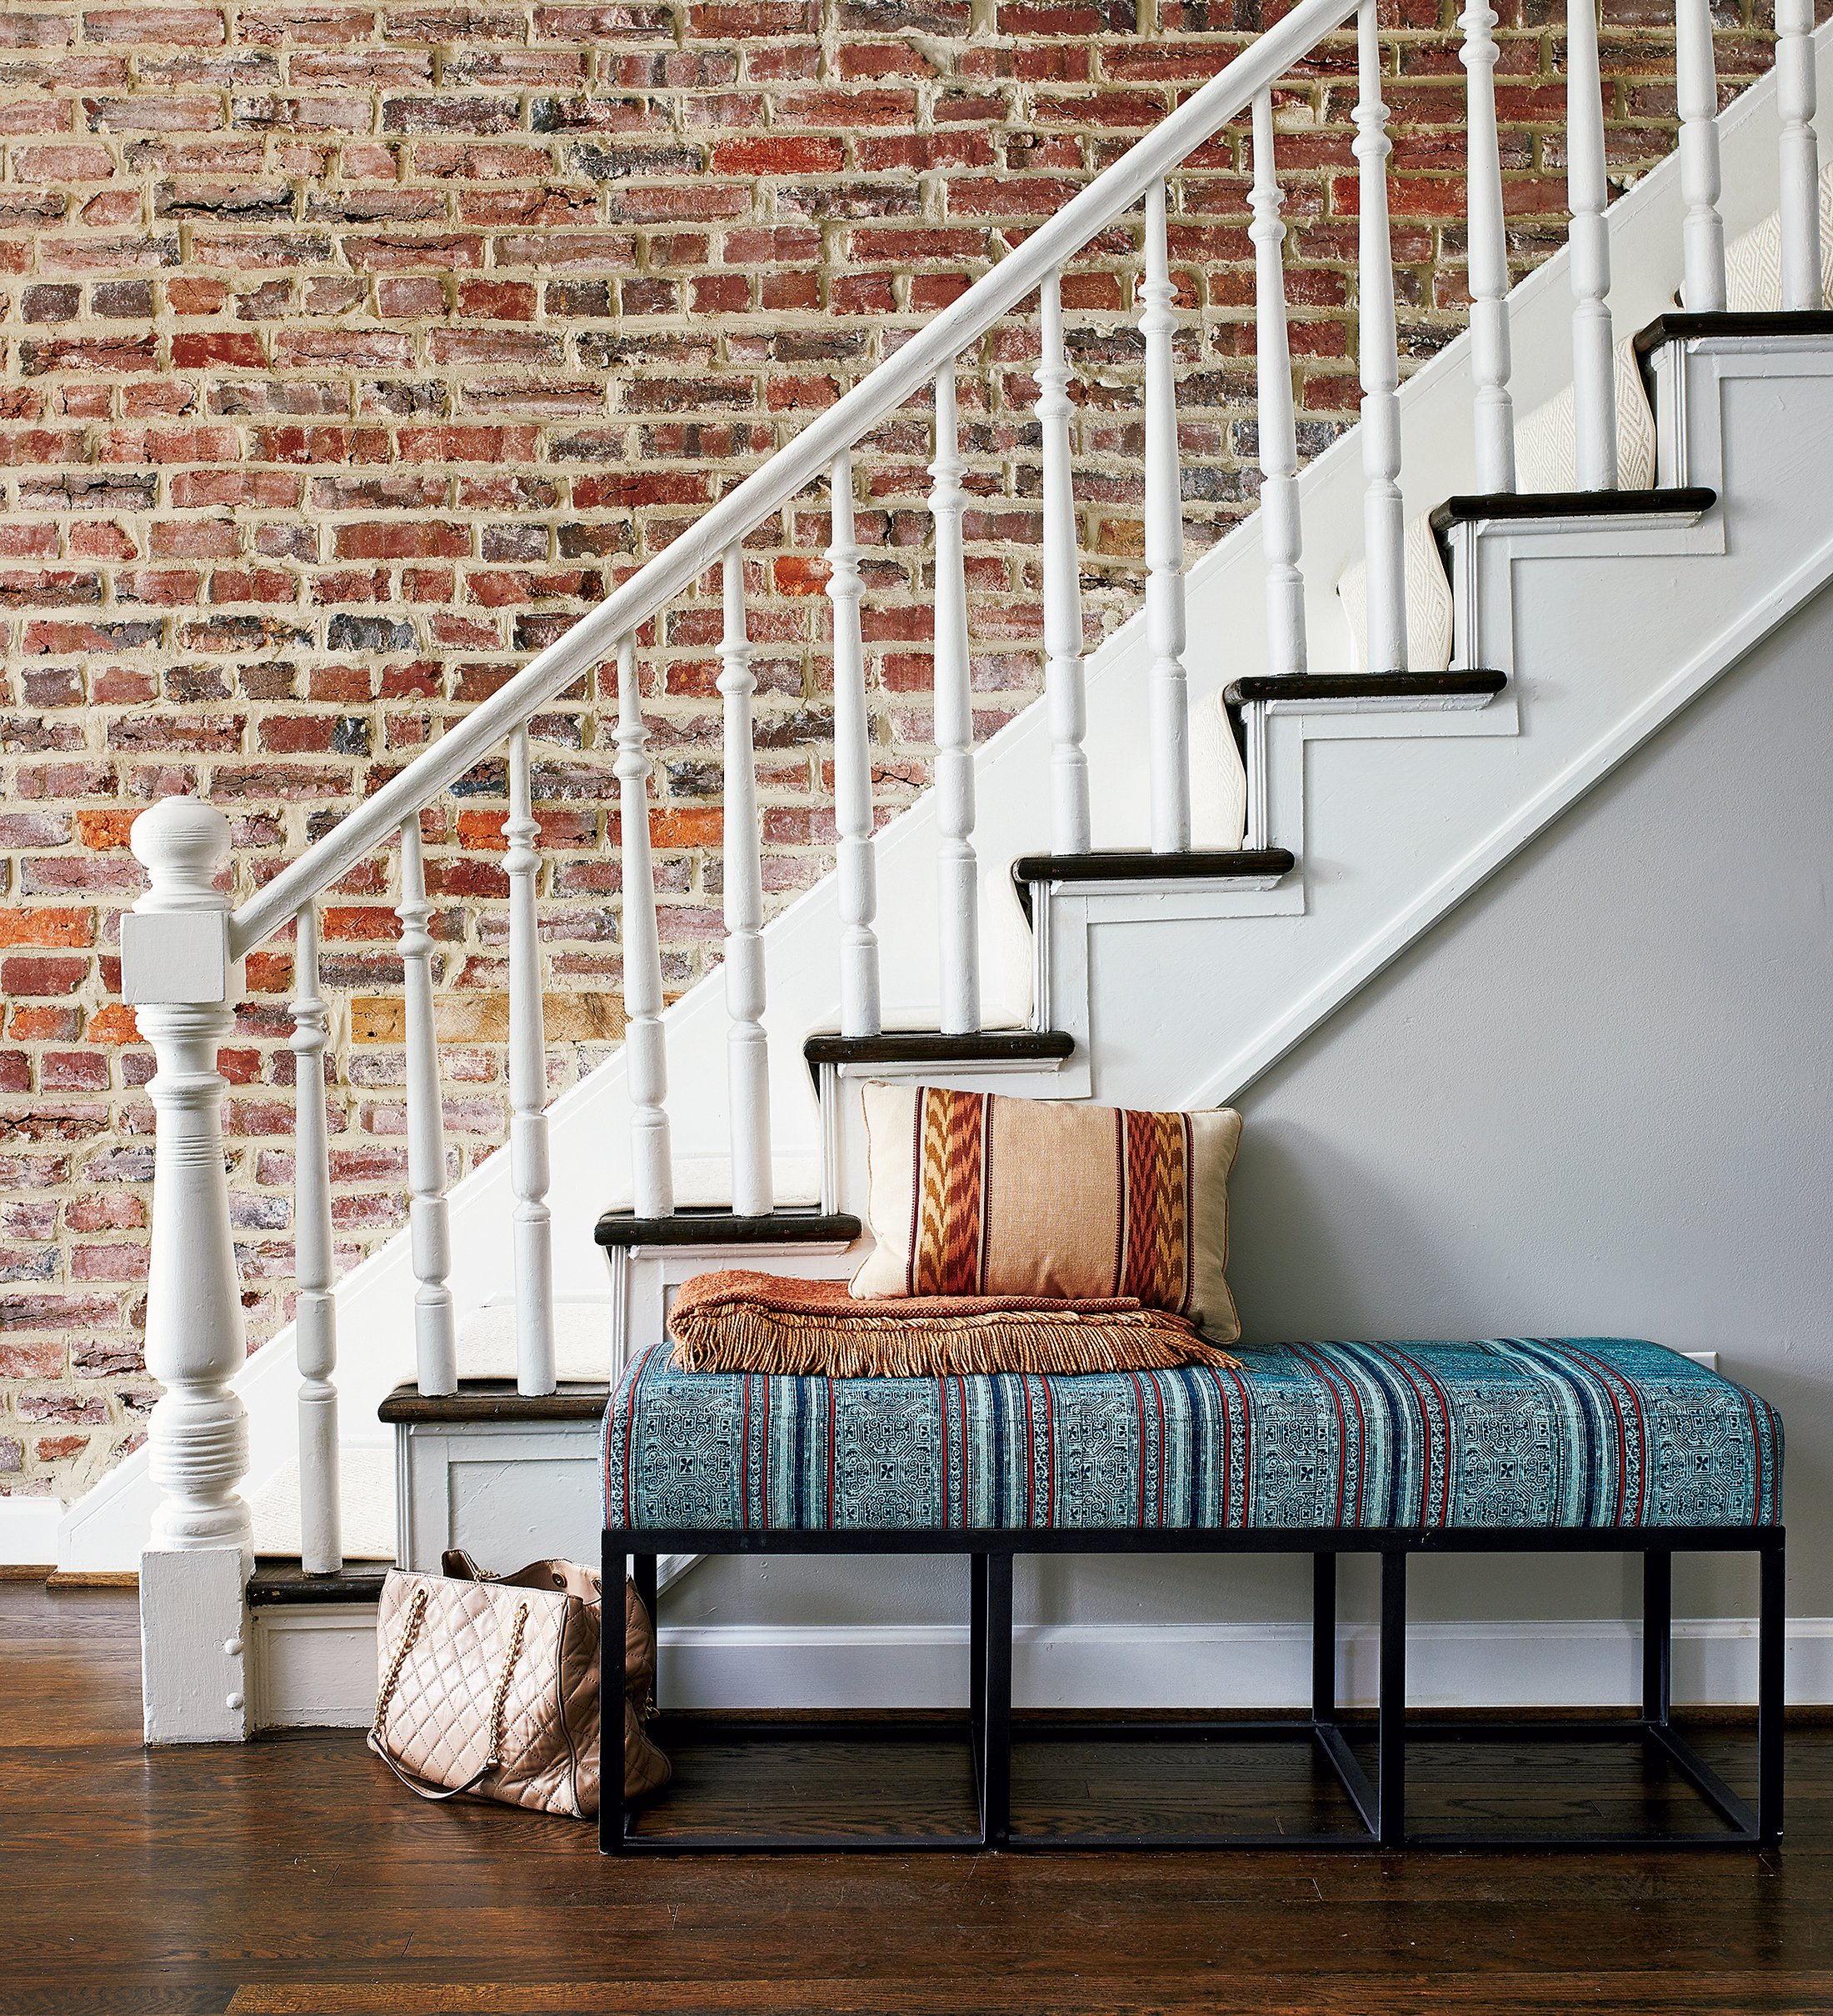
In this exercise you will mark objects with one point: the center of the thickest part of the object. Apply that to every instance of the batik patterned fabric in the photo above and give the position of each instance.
(969, 1193)
(1513, 1432)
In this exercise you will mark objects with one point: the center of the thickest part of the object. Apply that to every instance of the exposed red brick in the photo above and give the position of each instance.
(47, 927)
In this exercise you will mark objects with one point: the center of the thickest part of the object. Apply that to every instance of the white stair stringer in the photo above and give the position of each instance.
(1400, 799)
(1606, 628)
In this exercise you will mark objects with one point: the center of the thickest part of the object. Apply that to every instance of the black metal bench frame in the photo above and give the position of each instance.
(1379, 1803)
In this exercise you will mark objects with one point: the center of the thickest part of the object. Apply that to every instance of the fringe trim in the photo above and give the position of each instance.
(744, 1337)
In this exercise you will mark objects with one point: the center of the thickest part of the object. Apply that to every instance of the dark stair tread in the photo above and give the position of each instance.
(712, 1225)
(278, 1580)
(1362, 686)
(499, 1400)
(1682, 503)
(935, 1047)
(1679, 323)
(1141, 864)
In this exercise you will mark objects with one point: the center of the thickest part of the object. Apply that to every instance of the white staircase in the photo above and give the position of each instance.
(1219, 830)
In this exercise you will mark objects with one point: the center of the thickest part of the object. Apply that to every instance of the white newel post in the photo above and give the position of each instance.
(1488, 258)
(1796, 96)
(177, 972)
(646, 1054)
(747, 1053)
(315, 1314)
(1695, 97)
(528, 1160)
(1383, 512)
(1168, 688)
(1065, 687)
(855, 864)
(1587, 192)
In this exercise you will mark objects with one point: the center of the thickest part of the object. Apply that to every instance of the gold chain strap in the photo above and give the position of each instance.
(495, 1757)
(417, 1611)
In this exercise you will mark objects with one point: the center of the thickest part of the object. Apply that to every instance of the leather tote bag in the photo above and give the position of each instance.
(489, 1685)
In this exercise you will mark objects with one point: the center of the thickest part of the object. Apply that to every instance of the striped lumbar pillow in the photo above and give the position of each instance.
(972, 1194)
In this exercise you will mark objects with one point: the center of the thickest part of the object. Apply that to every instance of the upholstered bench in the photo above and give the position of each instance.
(1576, 1445)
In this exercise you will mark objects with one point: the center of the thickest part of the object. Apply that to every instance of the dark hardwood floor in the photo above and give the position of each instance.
(290, 1875)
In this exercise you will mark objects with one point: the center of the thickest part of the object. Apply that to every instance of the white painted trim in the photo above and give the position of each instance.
(1266, 1047)
(1561, 1662)
(317, 1665)
(28, 1531)
(313, 1666)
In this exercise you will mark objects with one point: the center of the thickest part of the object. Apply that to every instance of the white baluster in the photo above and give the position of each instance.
(1594, 366)
(646, 1056)
(1281, 537)
(195, 1340)
(1384, 529)
(429, 1239)
(177, 969)
(1168, 691)
(860, 1013)
(1487, 256)
(315, 1315)
(1063, 686)
(528, 1088)
(748, 1054)
(1695, 96)
(1801, 155)
(957, 876)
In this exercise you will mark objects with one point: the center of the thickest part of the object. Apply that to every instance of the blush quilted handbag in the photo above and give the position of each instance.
(489, 1685)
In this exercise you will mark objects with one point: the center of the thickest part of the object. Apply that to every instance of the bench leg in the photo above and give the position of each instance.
(1657, 1636)
(611, 1810)
(1324, 1637)
(1772, 1622)
(995, 1777)
(1390, 1761)
(976, 1662)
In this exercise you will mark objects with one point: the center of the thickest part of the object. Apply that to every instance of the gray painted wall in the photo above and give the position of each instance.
(1595, 1101)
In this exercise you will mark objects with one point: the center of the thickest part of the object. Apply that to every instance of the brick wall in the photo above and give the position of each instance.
(353, 347)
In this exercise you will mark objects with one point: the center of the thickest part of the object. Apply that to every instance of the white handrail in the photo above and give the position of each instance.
(792, 469)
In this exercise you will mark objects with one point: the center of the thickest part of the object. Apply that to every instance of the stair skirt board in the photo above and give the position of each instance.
(315, 1665)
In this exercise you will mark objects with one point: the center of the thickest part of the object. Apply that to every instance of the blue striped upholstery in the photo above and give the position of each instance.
(1513, 1432)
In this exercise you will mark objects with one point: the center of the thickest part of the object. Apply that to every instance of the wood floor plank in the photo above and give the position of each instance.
(288, 1877)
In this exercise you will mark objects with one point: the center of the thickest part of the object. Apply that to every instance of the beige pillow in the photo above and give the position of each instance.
(969, 1193)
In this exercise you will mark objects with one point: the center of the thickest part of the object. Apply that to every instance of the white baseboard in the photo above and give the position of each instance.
(318, 1665)
(1565, 1664)
(28, 1531)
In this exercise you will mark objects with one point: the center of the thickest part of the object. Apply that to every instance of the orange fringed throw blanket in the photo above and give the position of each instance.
(736, 1321)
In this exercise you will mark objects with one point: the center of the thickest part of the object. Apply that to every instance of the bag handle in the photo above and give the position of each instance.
(569, 1578)
(378, 1742)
